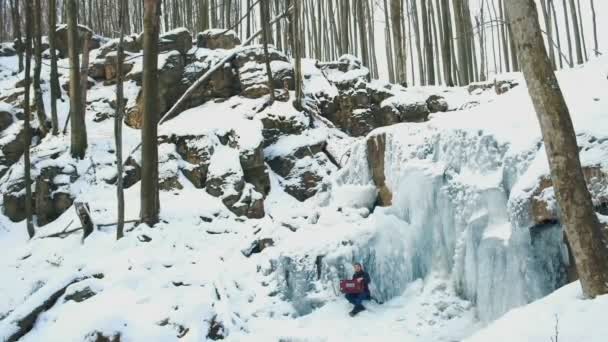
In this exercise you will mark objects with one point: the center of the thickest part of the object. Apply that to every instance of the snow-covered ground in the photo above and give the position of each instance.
(452, 253)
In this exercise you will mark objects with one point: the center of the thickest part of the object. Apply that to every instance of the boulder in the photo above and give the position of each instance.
(14, 201)
(12, 150)
(6, 119)
(179, 39)
(254, 77)
(110, 63)
(277, 125)
(61, 36)
(197, 152)
(250, 205)
(130, 44)
(51, 197)
(254, 169)
(66, 85)
(303, 170)
(132, 173)
(437, 103)
(217, 39)
(7, 50)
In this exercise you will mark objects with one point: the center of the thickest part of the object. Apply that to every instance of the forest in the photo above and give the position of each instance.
(187, 170)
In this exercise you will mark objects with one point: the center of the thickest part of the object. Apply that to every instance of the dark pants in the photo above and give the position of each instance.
(357, 298)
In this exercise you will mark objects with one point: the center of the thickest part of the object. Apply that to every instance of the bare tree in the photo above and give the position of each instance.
(398, 42)
(55, 90)
(581, 223)
(265, 20)
(17, 31)
(150, 205)
(577, 34)
(27, 139)
(428, 44)
(120, 108)
(78, 126)
(41, 113)
(596, 49)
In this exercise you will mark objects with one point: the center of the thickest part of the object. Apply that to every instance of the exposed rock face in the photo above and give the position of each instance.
(6, 119)
(217, 39)
(109, 66)
(61, 43)
(276, 125)
(52, 197)
(254, 169)
(14, 202)
(7, 51)
(253, 76)
(169, 76)
(303, 170)
(179, 39)
(197, 152)
(11, 148)
(437, 103)
(376, 148)
(222, 84)
(543, 205)
(130, 44)
(132, 173)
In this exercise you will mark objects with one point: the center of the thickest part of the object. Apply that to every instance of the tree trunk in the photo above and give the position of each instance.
(298, 43)
(389, 45)
(446, 18)
(596, 49)
(557, 34)
(577, 33)
(419, 45)
(398, 43)
(362, 33)
(514, 59)
(150, 205)
(549, 31)
(428, 44)
(78, 127)
(264, 22)
(17, 31)
(41, 113)
(27, 139)
(582, 29)
(55, 90)
(84, 71)
(581, 223)
(568, 37)
(120, 102)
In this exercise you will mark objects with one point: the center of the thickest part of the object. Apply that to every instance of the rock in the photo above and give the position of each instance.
(97, 336)
(217, 39)
(437, 103)
(179, 39)
(7, 51)
(303, 170)
(110, 63)
(227, 186)
(12, 150)
(251, 204)
(403, 112)
(14, 202)
(258, 246)
(49, 201)
(130, 44)
(170, 183)
(223, 83)
(132, 173)
(97, 70)
(254, 169)
(277, 125)
(6, 119)
(61, 36)
(376, 148)
(169, 76)
(197, 152)
(254, 77)
(499, 86)
(216, 330)
(80, 296)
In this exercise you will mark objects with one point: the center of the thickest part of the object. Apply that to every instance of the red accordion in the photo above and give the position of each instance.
(351, 286)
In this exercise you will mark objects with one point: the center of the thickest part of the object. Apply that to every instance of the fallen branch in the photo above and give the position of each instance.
(65, 233)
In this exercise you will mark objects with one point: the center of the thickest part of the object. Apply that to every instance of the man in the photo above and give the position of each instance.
(357, 298)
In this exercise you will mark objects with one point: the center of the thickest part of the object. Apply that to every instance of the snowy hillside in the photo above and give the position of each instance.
(442, 193)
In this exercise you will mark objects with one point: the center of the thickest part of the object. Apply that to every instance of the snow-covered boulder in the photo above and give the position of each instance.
(217, 39)
(61, 36)
(179, 39)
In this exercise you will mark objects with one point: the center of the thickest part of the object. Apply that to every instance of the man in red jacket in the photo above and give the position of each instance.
(357, 298)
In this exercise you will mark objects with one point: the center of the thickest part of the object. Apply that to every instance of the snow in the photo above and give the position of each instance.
(564, 313)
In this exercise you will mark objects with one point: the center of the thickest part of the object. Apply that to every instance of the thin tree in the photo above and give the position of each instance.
(447, 42)
(265, 19)
(400, 64)
(577, 34)
(84, 71)
(582, 30)
(428, 44)
(568, 37)
(581, 223)
(78, 127)
(17, 31)
(548, 30)
(120, 56)
(150, 205)
(27, 139)
(297, 40)
(55, 90)
(596, 49)
(41, 113)
(557, 34)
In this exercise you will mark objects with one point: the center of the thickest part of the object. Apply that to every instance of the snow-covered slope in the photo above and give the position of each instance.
(452, 217)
